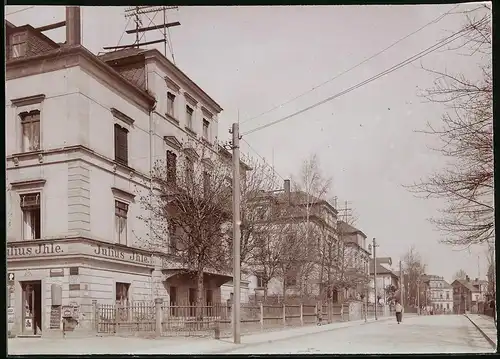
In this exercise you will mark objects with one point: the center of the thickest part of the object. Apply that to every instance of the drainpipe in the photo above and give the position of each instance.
(151, 150)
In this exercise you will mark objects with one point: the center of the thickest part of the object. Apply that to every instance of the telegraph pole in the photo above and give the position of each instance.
(401, 290)
(375, 276)
(235, 131)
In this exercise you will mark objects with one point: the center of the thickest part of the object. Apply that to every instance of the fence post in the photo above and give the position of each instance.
(261, 316)
(158, 312)
(284, 314)
(301, 314)
(95, 315)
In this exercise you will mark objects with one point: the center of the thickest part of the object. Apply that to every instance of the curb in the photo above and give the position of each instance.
(242, 346)
(488, 339)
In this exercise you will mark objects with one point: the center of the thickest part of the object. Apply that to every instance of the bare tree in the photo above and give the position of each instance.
(189, 205)
(460, 274)
(310, 192)
(413, 271)
(466, 134)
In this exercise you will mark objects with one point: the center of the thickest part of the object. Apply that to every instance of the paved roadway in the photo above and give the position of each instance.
(424, 334)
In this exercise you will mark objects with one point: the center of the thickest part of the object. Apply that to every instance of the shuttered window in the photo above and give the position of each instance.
(121, 145)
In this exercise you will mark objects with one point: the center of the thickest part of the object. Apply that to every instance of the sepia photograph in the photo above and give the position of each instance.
(250, 179)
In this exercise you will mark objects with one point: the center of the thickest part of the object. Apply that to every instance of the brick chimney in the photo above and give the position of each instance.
(73, 23)
(467, 278)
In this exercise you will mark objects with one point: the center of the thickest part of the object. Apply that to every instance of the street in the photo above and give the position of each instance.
(425, 334)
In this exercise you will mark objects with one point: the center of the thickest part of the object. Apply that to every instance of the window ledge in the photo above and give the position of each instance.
(190, 131)
(206, 142)
(25, 154)
(172, 119)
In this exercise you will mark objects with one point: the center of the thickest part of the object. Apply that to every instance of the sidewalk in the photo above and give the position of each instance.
(211, 346)
(166, 345)
(486, 325)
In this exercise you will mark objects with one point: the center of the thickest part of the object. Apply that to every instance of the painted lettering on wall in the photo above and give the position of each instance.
(40, 249)
(116, 253)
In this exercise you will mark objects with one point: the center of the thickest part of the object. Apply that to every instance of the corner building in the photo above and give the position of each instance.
(83, 132)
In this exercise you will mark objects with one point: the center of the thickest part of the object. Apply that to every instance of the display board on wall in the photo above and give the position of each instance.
(55, 317)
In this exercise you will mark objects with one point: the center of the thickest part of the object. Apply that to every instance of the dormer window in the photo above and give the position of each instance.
(18, 45)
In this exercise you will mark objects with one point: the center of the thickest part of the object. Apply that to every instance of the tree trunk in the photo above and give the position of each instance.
(199, 297)
(265, 292)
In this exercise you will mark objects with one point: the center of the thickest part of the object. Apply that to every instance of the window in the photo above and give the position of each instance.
(121, 210)
(441, 295)
(291, 279)
(189, 171)
(170, 104)
(122, 292)
(189, 117)
(260, 280)
(172, 235)
(171, 167)
(206, 125)
(447, 295)
(121, 145)
(206, 183)
(30, 122)
(30, 206)
(173, 301)
(209, 297)
(192, 294)
(18, 45)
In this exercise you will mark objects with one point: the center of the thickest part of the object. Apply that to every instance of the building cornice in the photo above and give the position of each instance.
(72, 56)
(183, 78)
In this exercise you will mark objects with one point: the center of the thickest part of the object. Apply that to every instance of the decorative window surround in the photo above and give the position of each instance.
(29, 100)
(121, 194)
(191, 153)
(173, 142)
(190, 99)
(121, 116)
(208, 162)
(172, 85)
(28, 184)
(206, 112)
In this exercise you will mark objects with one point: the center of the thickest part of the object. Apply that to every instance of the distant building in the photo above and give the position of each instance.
(468, 295)
(439, 293)
(387, 281)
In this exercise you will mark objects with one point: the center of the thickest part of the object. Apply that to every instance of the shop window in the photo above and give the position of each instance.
(122, 292)
(31, 213)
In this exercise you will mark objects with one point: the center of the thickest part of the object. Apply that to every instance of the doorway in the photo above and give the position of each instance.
(32, 307)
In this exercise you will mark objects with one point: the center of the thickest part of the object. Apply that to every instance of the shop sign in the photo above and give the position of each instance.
(28, 324)
(50, 248)
(118, 253)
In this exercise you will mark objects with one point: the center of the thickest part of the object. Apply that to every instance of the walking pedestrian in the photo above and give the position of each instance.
(399, 312)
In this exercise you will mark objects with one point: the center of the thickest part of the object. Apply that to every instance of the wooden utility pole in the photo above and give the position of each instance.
(375, 275)
(401, 285)
(236, 232)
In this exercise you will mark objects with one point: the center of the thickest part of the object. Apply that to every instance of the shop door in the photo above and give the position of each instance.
(32, 307)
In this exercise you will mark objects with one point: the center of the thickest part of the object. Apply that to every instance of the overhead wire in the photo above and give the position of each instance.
(264, 161)
(23, 9)
(439, 18)
(401, 64)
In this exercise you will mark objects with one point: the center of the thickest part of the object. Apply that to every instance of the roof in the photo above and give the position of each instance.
(346, 228)
(382, 270)
(464, 283)
(129, 52)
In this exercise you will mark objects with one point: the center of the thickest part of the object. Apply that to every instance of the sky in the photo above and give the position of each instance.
(253, 59)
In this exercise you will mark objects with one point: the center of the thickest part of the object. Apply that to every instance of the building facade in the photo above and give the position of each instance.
(387, 281)
(439, 294)
(83, 132)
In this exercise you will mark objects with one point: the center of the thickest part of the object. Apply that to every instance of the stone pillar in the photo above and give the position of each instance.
(159, 315)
